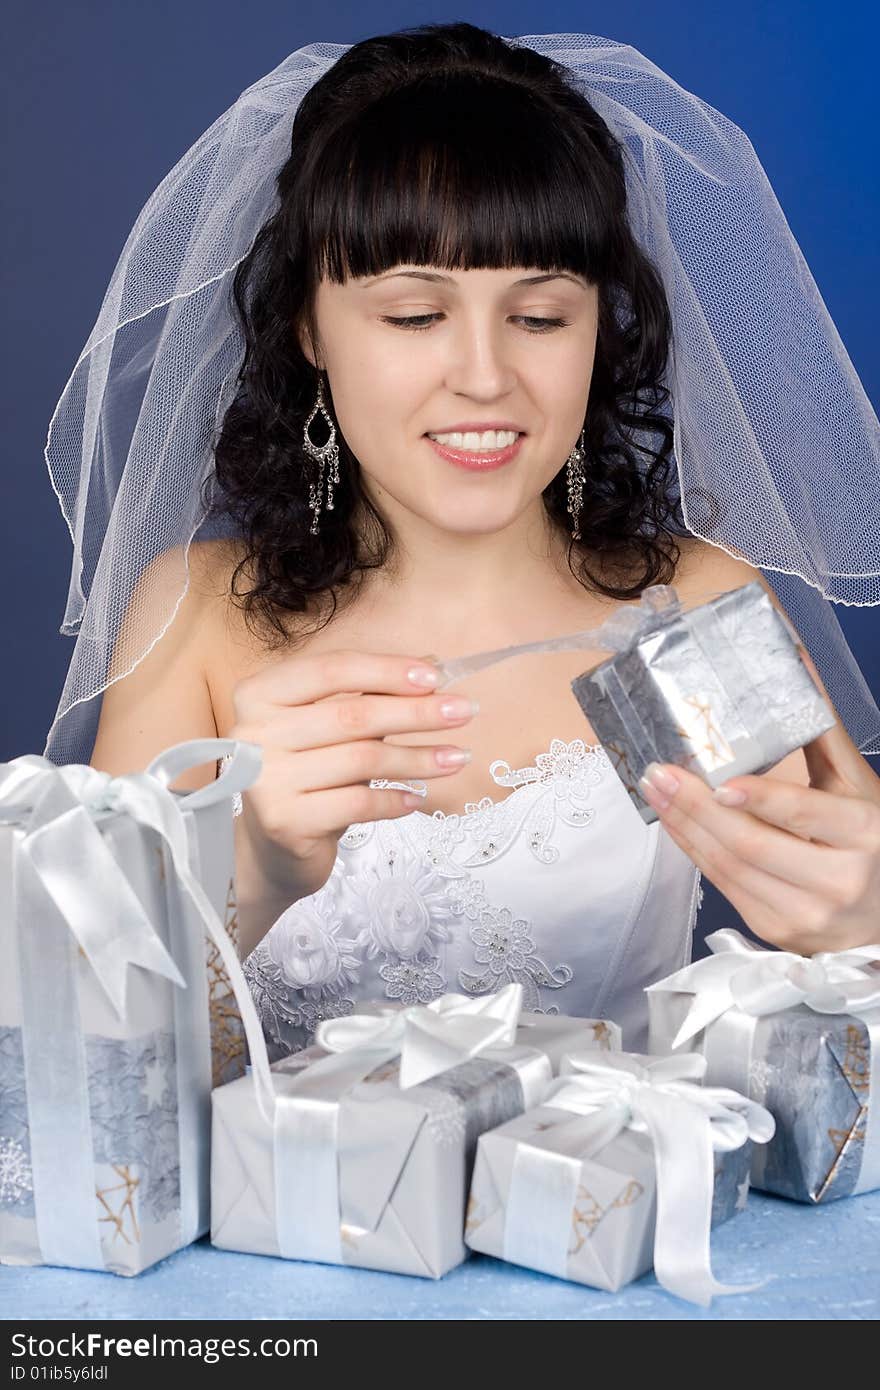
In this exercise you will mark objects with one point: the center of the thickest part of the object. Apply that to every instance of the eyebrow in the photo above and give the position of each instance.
(435, 278)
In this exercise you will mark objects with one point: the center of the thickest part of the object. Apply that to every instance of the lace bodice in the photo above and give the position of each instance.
(559, 885)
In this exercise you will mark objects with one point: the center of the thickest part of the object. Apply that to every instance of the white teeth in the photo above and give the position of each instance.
(489, 439)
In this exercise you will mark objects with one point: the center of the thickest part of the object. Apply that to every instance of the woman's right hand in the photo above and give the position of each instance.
(322, 740)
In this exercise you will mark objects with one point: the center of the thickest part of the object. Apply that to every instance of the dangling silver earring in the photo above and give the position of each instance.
(321, 454)
(575, 479)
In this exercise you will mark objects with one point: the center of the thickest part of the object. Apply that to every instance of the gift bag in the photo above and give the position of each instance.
(108, 889)
(800, 1035)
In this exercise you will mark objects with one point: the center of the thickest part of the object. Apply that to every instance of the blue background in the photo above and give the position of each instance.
(103, 99)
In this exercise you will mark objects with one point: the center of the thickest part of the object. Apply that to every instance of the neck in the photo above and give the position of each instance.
(474, 589)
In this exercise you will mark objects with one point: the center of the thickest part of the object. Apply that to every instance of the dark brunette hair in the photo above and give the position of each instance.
(443, 145)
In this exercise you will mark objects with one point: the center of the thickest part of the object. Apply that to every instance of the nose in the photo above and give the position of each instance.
(480, 359)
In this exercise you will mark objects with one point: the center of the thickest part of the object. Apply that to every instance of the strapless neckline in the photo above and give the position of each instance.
(564, 766)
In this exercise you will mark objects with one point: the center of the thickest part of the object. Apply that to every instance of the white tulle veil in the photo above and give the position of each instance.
(769, 414)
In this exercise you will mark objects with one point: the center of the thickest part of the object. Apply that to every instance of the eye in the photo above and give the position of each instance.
(418, 323)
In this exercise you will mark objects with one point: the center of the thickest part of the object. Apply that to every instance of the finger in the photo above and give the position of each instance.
(736, 842)
(331, 812)
(348, 764)
(353, 718)
(850, 822)
(776, 911)
(301, 678)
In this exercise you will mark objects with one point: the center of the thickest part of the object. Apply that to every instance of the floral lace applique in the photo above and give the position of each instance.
(503, 944)
(563, 779)
(402, 903)
(299, 973)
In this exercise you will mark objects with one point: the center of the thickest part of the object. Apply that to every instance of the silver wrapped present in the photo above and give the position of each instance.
(720, 689)
(358, 1150)
(625, 1164)
(105, 1070)
(801, 1035)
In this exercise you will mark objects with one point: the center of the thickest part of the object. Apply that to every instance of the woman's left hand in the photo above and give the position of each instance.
(801, 864)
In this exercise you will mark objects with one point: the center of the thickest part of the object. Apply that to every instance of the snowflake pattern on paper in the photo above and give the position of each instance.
(133, 1107)
(16, 1179)
(446, 1124)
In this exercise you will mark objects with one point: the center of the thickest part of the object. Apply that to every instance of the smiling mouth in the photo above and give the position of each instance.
(461, 449)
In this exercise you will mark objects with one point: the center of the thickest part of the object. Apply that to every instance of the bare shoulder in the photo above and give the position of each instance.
(178, 590)
(212, 565)
(706, 569)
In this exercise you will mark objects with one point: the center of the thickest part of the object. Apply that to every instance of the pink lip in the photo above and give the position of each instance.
(477, 463)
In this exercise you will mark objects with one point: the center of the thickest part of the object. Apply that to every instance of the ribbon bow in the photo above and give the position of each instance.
(741, 975)
(61, 856)
(430, 1038)
(686, 1122)
(66, 853)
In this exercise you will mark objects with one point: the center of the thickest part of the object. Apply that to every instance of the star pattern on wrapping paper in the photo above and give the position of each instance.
(587, 1216)
(856, 1062)
(471, 1219)
(227, 1030)
(125, 1204)
(620, 761)
(715, 745)
(602, 1036)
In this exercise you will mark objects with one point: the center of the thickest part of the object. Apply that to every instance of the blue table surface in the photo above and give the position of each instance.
(818, 1262)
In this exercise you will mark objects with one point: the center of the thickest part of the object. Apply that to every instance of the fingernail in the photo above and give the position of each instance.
(653, 797)
(459, 708)
(423, 675)
(453, 757)
(729, 796)
(658, 777)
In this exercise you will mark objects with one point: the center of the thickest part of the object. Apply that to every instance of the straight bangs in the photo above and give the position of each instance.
(461, 172)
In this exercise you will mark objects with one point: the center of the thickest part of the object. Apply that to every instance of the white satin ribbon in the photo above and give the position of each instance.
(742, 982)
(686, 1122)
(428, 1038)
(61, 854)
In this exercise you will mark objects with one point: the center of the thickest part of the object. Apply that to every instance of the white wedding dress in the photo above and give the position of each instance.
(559, 885)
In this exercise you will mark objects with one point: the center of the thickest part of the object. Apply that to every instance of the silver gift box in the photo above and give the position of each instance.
(131, 1064)
(721, 690)
(812, 1071)
(404, 1171)
(405, 1154)
(611, 1240)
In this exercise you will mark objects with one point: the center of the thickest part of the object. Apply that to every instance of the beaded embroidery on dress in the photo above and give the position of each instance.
(559, 885)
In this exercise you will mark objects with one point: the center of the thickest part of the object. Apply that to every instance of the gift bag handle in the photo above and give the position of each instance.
(239, 772)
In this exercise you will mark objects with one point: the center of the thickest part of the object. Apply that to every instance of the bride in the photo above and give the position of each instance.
(453, 429)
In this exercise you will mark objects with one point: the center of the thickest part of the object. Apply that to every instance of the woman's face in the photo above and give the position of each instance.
(479, 353)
